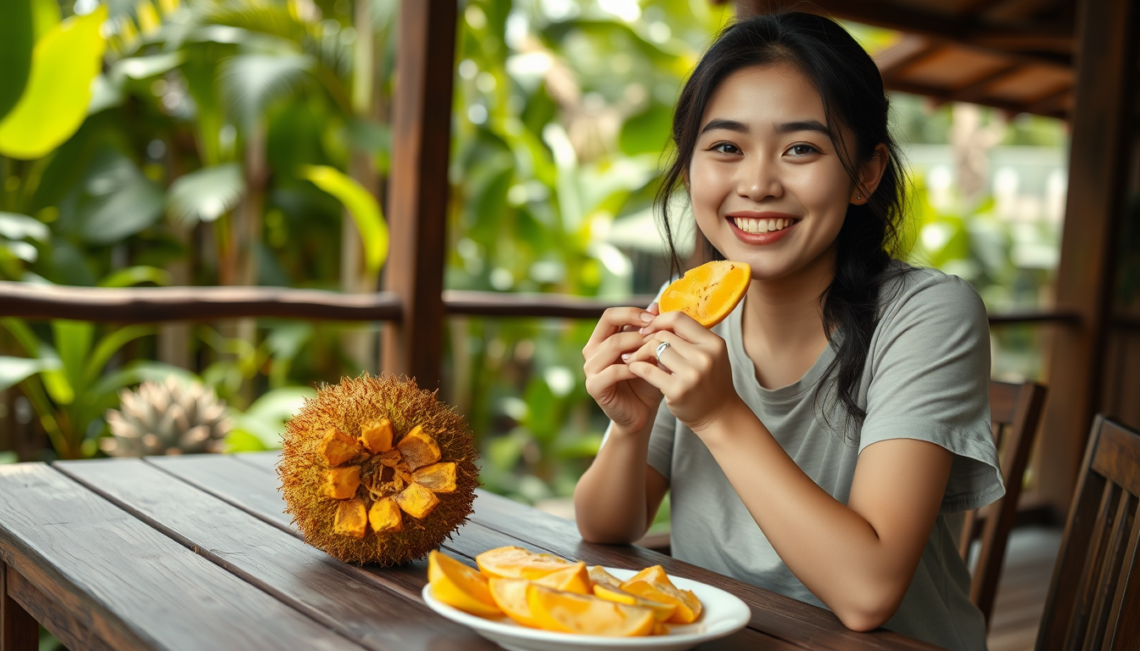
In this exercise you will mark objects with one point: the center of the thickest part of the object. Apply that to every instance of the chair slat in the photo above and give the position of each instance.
(1123, 632)
(1094, 562)
(1015, 410)
(1095, 592)
(1105, 586)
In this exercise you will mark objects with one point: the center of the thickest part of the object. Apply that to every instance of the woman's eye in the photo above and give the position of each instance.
(802, 150)
(726, 148)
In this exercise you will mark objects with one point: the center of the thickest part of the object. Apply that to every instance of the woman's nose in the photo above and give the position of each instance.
(759, 180)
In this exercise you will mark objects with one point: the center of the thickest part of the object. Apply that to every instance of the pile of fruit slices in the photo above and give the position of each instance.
(550, 593)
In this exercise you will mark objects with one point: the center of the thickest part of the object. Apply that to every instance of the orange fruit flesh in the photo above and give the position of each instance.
(510, 596)
(708, 293)
(567, 612)
(574, 578)
(518, 563)
(459, 586)
(611, 592)
(653, 584)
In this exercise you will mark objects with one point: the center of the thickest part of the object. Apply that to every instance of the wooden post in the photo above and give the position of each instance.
(18, 630)
(1098, 166)
(421, 137)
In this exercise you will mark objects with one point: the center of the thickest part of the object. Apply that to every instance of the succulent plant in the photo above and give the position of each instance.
(170, 417)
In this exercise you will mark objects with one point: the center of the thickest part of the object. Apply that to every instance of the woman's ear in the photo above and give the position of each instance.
(870, 174)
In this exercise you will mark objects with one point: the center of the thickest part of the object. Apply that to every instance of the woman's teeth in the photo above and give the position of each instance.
(761, 225)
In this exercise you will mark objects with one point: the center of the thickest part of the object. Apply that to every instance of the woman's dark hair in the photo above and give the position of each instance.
(856, 107)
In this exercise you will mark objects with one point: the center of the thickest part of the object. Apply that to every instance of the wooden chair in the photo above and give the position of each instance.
(1015, 410)
(1094, 597)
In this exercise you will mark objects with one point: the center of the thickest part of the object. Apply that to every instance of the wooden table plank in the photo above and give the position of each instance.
(300, 575)
(774, 614)
(253, 487)
(130, 584)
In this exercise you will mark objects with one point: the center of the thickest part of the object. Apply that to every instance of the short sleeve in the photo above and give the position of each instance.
(929, 380)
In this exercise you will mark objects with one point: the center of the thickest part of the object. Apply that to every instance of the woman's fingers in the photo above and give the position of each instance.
(664, 381)
(599, 383)
(610, 350)
(612, 321)
(681, 324)
(677, 351)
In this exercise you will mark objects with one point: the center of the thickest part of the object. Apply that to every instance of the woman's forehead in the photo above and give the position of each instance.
(765, 98)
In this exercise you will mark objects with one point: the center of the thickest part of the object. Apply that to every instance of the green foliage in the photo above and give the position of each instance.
(361, 205)
(64, 378)
(65, 62)
(16, 41)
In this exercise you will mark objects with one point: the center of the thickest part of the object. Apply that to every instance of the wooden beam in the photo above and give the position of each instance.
(1099, 160)
(901, 55)
(946, 95)
(19, 631)
(421, 140)
(153, 304)
(976, 89)
(1056, 38)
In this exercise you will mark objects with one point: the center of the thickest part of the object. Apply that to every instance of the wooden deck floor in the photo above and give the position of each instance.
(1024, 584)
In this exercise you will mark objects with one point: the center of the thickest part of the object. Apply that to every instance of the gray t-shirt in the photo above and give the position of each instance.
(926, 378)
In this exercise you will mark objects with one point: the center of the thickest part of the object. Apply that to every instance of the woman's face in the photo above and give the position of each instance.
(767, 185)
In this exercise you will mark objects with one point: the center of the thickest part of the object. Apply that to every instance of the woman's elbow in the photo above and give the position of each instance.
(870, 611)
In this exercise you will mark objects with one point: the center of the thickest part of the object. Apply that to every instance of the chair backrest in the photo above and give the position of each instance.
(1015, 410)
(1094, 598)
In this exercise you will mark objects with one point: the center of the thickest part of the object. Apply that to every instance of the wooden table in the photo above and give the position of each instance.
(195, 552)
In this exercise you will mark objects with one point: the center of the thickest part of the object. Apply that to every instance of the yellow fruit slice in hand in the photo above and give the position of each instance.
(653, 584)
(708, 293)
(555, 610)
(572, 579)
(518, 563)
(611, 592)
(459, 586)
(510, 597)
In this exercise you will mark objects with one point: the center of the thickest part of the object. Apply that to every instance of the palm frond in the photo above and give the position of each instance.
(205, 194)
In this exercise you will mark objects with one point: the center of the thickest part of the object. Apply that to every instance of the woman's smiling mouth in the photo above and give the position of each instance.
(761, 228)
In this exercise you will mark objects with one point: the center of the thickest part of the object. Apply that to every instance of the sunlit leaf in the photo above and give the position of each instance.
(136, 275)
(117, 200)
(18, 227)
(108, 346)
(64, 63)
(15, 50)
(251, 81)
(14, 370)
(148, 66)
(361, 206)
(205, 194)
(73, 341)
(45, 16)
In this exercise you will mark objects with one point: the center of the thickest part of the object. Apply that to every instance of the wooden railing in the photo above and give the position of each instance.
(152, 304)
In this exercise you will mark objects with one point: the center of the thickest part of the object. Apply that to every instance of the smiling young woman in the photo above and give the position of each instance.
(825, 438)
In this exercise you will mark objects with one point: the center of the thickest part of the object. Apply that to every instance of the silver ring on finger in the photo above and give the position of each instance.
(660, 349)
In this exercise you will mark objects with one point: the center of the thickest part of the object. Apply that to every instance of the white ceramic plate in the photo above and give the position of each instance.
(723, 614)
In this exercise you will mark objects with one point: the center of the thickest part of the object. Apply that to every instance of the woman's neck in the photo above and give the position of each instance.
(782, 323)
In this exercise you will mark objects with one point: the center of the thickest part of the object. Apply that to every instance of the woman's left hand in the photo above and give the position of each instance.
(694, 374)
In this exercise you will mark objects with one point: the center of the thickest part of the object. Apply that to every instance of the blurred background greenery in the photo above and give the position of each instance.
(246, 142)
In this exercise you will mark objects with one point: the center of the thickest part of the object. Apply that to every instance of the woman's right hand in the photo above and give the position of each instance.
(629, 401)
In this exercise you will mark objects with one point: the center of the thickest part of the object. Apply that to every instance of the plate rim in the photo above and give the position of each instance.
(481, 624)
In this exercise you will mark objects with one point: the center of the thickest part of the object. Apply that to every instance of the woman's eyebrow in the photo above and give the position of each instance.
(803, 125)
(728, 125)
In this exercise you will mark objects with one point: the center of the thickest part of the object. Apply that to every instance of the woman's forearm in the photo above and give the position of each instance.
(610, 501)
(860, 572)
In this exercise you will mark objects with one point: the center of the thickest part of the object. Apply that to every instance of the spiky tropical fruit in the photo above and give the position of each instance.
(171, 417)
(376, 470)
